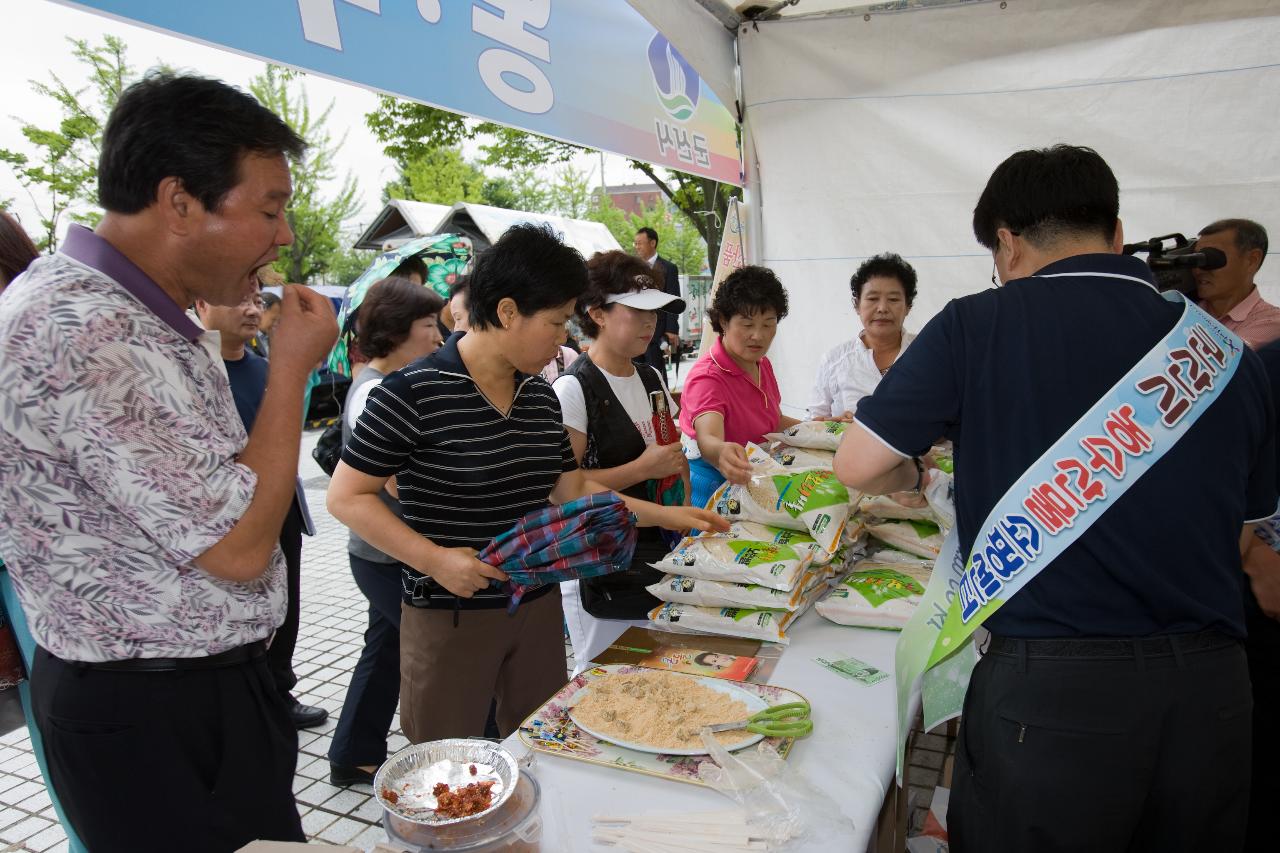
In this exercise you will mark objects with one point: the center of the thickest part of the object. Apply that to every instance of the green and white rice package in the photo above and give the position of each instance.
(684, 589)
(922, 538)
(885, 507)
(746, 561)
(816, 435)
(802, 542)
(877, 594)
(752, 623)
(812, 501)
(941, 495)
(801, 458)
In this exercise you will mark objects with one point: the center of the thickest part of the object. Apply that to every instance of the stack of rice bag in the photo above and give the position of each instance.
(787, 542)
(884, 589)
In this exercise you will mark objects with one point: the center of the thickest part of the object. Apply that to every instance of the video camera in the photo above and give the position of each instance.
(1172, 266)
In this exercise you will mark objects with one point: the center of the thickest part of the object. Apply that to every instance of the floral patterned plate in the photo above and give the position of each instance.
(754, 704)
(550, 730)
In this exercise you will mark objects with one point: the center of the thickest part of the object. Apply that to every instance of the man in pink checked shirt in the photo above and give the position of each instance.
(1229, 293)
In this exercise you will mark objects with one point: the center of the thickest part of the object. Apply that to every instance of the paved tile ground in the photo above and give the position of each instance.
(329, 642)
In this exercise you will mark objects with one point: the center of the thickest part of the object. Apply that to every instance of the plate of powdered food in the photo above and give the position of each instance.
(663, 712)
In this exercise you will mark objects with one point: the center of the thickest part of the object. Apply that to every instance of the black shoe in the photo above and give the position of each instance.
(345, 777)
(307, 716)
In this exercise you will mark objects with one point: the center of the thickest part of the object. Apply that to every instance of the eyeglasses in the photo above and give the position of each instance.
(995, 281)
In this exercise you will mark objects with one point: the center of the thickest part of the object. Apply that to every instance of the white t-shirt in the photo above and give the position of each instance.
(846, 374)
(356, 402)
(628, 389)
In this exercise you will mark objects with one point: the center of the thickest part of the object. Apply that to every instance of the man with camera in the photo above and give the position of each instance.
(1111, 709)
(1229, 293)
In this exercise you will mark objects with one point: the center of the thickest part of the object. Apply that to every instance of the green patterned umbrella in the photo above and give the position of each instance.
(447, 257)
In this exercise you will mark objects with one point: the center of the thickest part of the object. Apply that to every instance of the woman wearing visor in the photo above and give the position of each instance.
(608, 408)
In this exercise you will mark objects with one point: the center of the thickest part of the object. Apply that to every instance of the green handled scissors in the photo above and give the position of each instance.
(787, 720)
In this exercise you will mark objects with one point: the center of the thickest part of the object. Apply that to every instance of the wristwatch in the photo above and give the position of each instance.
(919, 474)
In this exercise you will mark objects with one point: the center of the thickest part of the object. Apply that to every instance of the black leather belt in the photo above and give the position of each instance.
(222, 660)
(1112, 647)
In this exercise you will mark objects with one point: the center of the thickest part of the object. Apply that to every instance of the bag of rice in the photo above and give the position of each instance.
(883, 506)
(802, 542)
(747, 561)
(813, 501)
(922, 538)
(752, 623)
(941, 495)
(877, 594)
(802, 459)
(816, 435)
(684, 589)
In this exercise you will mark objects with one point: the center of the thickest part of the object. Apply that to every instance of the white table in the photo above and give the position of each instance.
(850, 754)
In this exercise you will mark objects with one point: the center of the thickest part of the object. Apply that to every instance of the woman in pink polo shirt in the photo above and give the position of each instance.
(731, 396)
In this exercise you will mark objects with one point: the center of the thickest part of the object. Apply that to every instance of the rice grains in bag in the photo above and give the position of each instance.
(802, 542)
(684, 589)
(718, 558)
(812, 501)
(802, 459)
(922, 538)
(883, 506)
(877, 594)
(752, 623)
(815, 435)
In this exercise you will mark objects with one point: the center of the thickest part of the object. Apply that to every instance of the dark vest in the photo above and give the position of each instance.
(613, 440)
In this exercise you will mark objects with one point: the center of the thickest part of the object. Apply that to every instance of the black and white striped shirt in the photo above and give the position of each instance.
(465, 471)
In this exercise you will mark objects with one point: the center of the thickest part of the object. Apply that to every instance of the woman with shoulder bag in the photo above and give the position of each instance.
(605, 400)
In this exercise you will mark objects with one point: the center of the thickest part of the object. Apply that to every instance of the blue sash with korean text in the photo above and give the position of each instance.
(1053, 503)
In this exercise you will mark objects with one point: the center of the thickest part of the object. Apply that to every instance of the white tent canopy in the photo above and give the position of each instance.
(402, 220)
(874, 132)
(486, 224)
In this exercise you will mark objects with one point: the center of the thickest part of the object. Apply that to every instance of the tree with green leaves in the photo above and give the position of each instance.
(62, 174)
(438, 176)
(316, 219)
(405, 127)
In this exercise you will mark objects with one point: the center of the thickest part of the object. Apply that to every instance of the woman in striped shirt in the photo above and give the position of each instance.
(475, 440)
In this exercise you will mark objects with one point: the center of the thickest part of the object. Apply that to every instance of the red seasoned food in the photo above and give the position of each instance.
(463, 801)
(440, 788)
(473, 770)
(390, 796)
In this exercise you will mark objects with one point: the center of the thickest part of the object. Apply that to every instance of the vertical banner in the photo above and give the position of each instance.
(734, 245)
(590, 72)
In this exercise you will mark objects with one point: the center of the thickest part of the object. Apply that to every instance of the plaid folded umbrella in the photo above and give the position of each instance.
(585, 538)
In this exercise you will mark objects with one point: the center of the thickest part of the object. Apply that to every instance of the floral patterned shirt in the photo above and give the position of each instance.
(118, 446)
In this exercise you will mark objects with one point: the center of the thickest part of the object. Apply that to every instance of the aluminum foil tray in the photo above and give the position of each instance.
(413, 771)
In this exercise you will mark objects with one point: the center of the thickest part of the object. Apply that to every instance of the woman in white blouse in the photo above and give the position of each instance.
(883, 289)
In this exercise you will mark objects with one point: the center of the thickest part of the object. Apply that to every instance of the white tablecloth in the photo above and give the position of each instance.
(850, 754)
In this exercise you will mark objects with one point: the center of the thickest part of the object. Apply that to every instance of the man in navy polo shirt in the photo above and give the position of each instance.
(1111, 710)
(237, 326)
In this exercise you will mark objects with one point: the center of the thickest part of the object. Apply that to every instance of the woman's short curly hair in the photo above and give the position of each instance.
(886, 265)
(610, 273)
(388, 312)
(745, 293)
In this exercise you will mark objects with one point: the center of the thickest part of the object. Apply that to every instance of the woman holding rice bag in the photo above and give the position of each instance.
(884, 287)
(606, 402)
(731, 397)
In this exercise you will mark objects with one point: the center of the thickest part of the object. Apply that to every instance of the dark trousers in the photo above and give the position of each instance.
(361, 736)
(197, 760)
(1263, 648)
(285, 639)
(1104, 755)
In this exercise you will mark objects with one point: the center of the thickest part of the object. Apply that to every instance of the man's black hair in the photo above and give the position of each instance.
(530, 265)
(188, 127)
(745, 293)
(886, 265)
(1250, 235)
(650, 233)
(1046, 194)
(412, 264)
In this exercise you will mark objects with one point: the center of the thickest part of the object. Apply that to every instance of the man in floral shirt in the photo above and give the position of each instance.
(138, 520)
